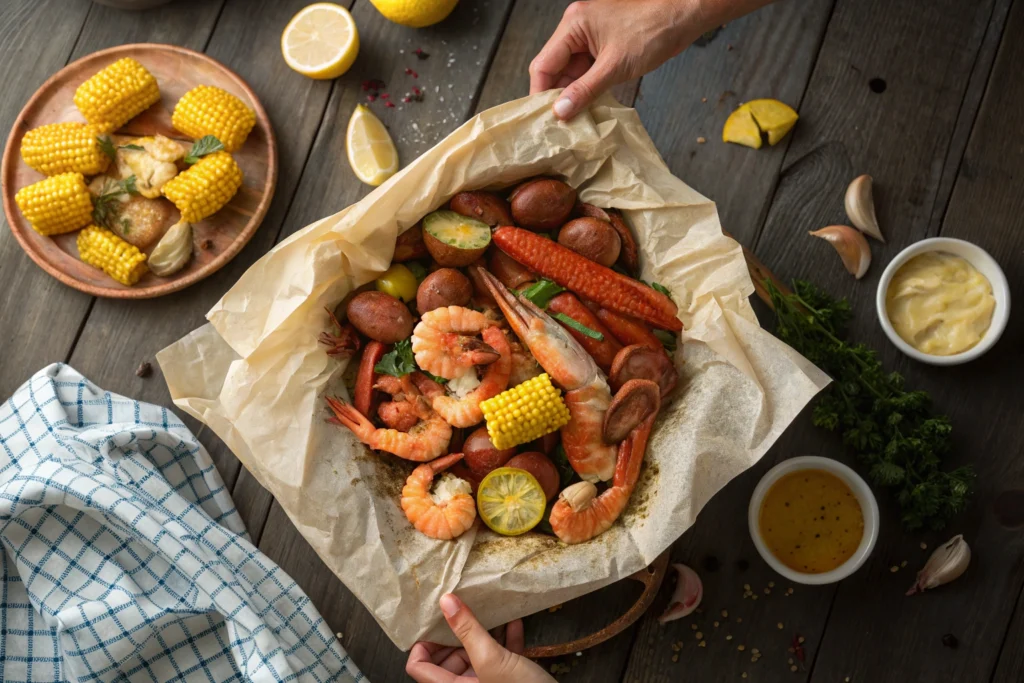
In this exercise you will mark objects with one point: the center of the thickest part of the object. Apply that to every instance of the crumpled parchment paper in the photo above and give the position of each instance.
(256, 375)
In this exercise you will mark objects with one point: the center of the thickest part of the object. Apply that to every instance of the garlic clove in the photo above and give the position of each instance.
(173, 250)
(948, 562)
(686, 597)
(851, 245)
(860, 207)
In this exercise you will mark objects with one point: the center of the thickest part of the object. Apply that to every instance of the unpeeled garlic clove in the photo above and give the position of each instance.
(686, 596)
(173, 250)
(851, 245)
(948, 562)
(860, 207)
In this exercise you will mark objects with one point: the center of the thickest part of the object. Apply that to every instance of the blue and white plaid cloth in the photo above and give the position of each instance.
(125, 558)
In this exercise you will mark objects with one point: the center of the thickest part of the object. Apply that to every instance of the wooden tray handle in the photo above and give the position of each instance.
(651, 577)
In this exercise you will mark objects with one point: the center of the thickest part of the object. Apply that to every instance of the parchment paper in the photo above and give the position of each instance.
(257, 376)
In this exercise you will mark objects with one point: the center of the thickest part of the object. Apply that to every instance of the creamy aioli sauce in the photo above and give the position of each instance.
(939, 303)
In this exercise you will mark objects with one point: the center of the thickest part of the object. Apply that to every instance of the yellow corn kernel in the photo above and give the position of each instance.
(117, 94)
(203, 189)
(524, 412)
(103, 249)
(207, 110)
(57, 204)
(65, 147)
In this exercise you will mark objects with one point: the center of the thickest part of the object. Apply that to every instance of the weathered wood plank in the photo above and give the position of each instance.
(459, 50)
(927, 61)
(33, 305)
(118, 335)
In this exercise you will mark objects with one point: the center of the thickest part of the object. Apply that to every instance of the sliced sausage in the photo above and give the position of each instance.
(642, 362)
(631, 405)
(602, 351)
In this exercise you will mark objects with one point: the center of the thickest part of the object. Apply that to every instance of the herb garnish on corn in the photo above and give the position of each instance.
(208, 110)
(524, 412)
(57, 204)
(117, 94)
(211, 182)
(67, 147)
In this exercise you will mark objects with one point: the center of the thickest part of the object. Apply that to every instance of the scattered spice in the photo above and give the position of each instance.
(796, 647)
(389, 104)
(739, 620)
(780, 626)
(903, 564)
(702, 643)
(406, 99)
(694, 626)
(950, 641)
(771, 584)
(741, 648)
(699, 635)
(372, 85)
(767, 591)
(716, 624)
(729, 48)
(206, 244)
(725, 614)
(144, 370)
(894, 569)
(701, 140)
(385, 96)
(743, 675)
(675, 658)
(410, 72)
(728, 637)
(793, 668)
(339, 635)
(420, 54)
(746, 587)
(555, 608)
(371, 98)
(924, 546)
(703, 99)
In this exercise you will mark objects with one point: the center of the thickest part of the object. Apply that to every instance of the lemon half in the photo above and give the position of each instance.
(371, 153)
(321, 41)
(415, 13)
(510, 501)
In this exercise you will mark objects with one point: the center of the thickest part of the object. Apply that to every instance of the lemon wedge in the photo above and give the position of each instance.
(510, 501)
(771, 117)
(321, 41)
(415, 13)
(371, 153)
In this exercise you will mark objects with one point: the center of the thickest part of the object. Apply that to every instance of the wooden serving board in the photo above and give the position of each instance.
(217, 239)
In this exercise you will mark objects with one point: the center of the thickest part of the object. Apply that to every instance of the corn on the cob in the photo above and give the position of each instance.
(65, 147)
(117, 94)
(524, 412)
(207, 110)
(57, 204)
(204, 188)
(104, 250)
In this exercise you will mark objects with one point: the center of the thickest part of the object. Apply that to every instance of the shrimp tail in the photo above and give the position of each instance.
(478, 351)
(347, 416)
(444, 462)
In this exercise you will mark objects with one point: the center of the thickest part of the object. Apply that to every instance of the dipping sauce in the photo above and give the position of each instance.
(939, 303)
(811, 521)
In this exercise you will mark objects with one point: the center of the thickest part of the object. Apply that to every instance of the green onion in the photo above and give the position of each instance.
(578, 326)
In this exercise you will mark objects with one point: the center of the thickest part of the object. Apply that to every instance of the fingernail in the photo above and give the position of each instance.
(450, 605)
(563, 107)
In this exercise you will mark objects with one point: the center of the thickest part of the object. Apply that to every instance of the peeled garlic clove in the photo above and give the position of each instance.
(851, 245)
(173, 250)
(948, 562)
(686, 597)
(860, 207)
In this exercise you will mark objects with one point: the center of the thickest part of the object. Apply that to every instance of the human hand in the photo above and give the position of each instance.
(601, 43)
(481, 659)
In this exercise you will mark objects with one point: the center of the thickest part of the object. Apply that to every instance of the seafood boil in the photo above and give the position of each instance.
(516, 322)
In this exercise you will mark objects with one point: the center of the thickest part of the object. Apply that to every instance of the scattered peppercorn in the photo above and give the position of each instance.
(144, 370)
(206, 244)
(372, 84)
(389, 104)
(371, 98)
(950, 641)
(410, 72)
(420, 54)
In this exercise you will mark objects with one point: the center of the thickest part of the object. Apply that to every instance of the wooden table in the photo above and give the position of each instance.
(927, 97)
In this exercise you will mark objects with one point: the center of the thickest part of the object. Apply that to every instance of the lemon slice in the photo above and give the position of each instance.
(741, 128)
(773, 117)
(415, 13)
(371, 153)
(510, 501)
(321, 41)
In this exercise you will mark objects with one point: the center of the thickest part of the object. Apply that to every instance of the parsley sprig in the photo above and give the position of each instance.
(208, 144)
(400, 361)
(892, 430)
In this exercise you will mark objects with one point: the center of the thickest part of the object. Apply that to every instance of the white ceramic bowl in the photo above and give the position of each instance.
(977, 257)
(868, 506)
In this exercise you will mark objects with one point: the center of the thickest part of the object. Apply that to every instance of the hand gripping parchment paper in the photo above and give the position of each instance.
(256, 375)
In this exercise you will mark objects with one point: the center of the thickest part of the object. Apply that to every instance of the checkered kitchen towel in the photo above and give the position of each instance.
(125, 558)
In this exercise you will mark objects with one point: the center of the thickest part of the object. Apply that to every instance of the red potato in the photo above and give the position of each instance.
(642, 362)
(542, 204)
(603, 351)
(364, 393)
(593, 238)
(380, 316)
(410, 245)
(483, 206)
(541, 467)
(481, 455)
(510, 272)
(629, 255)
(443, 287)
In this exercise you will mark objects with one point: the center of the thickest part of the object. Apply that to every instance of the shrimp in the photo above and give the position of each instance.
(426, 440)
(466, 412)
(579, 514)
(442, 343)
(446, 513)
(524, 365)
(401, 412)
(587, 394)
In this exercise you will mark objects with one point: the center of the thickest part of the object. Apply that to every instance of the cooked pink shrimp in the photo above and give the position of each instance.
(587, 394)
(446, 513)
(466, 412)
(401, 412)
(443, 343)
(425, 441)
(579, 514)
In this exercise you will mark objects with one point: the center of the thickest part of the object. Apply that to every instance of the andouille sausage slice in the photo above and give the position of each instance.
(603, 351)
(642, 362)
(628, 330)
(630, 406)
(366, 377)
(629, 254)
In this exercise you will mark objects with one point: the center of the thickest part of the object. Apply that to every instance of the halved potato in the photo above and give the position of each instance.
(454, 240)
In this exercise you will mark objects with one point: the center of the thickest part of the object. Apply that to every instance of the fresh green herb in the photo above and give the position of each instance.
(208, 144)
(439, 380)
(578, 326)
(126, 226)
(667, 339)
(542, 292)
(106, 207)
(107, 146)
(136, 148)
(398, 362)
(892, 430)
(658, 287)
(418, 270)
(129, 185)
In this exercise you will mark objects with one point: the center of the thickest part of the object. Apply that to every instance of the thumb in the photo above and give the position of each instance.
(578, 95)
(474, 637)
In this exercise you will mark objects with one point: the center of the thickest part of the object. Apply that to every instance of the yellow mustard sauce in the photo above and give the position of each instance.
(939, 303)
(811, 521)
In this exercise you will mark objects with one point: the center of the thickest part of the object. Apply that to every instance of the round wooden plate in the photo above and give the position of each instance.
(217, 239)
